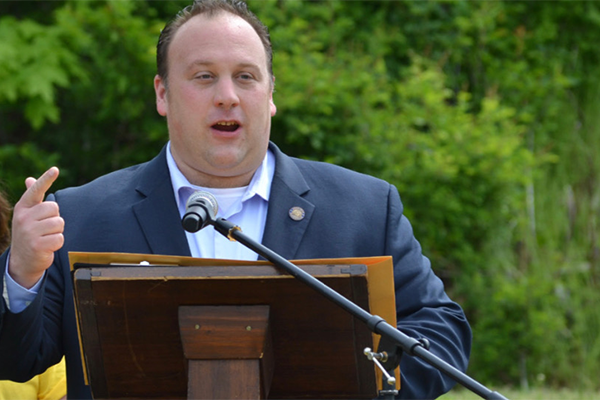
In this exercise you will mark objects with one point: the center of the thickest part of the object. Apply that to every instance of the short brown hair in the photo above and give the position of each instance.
(210, 7)
(5, 211)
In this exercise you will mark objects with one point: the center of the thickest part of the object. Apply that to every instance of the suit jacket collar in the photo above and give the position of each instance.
(157, 212)
(283, 234)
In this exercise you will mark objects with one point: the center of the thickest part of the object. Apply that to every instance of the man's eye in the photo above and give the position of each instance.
(245, 77)
(203, 76)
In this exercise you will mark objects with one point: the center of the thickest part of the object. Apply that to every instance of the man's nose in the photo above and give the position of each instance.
(226, 94)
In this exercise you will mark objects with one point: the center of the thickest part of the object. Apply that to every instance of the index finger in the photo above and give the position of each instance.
(36, 192)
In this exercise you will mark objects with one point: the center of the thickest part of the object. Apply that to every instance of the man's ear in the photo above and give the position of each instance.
(160, 88)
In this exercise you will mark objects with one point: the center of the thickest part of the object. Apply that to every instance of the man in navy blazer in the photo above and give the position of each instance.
(214, 85)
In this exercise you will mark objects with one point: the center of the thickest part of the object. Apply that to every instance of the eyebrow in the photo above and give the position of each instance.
(210, 63)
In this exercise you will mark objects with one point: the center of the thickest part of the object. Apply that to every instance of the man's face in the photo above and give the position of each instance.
(218, 101)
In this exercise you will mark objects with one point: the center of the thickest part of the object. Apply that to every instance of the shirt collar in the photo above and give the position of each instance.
(260, 184)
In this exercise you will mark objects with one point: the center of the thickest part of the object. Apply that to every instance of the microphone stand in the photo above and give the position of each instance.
(389, 334)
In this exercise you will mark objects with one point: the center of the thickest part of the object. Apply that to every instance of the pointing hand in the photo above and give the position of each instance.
(37, 231)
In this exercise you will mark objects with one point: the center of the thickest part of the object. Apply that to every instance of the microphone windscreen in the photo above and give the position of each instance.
(204, 198)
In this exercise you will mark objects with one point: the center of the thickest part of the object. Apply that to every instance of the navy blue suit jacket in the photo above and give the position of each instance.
(133, 210)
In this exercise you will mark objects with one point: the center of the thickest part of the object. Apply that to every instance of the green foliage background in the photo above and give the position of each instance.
(483, 114)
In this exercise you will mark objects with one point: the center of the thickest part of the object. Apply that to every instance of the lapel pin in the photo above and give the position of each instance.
(296, 213)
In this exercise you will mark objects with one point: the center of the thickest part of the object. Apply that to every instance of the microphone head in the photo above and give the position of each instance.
(200, 210)
(205, 199)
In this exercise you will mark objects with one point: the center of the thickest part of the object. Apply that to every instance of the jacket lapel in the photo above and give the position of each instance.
(284, 234)
(157, 213)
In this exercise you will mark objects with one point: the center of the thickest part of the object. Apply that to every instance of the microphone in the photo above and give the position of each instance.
(200, 210)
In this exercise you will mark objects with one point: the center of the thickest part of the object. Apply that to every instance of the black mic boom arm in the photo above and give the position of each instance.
(376, 324)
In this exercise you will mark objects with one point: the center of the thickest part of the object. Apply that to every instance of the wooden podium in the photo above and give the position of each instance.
(175, 328)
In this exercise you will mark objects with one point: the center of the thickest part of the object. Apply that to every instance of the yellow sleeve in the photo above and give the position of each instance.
(53, 382)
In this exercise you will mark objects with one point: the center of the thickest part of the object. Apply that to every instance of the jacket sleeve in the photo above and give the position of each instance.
(30, 340)
(423, 310)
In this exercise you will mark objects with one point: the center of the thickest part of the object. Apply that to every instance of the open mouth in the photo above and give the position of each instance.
(226, 126)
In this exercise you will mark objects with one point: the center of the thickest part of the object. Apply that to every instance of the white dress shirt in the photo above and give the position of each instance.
(245, 207)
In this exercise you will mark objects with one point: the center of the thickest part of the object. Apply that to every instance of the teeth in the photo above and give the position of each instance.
(226, 123)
